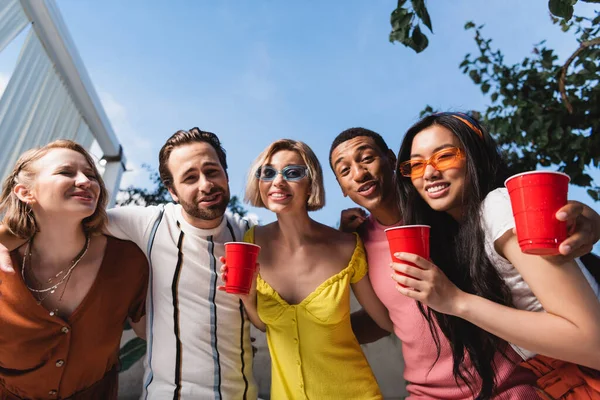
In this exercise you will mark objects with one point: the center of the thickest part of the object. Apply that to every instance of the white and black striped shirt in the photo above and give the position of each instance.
(198, 337)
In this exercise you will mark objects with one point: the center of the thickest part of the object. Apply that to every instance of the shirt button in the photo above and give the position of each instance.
(60, 363)
(301, 386)
(298, 362)
(52, 393)
(64, 329)
(293, 320)
(295, 340)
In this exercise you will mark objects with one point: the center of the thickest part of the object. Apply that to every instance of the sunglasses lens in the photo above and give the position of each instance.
(294, 173)
(446, 159)
(268, 173)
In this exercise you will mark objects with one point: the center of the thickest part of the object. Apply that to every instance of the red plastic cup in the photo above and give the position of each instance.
(408, 239)
(535, 197)
(241, 262)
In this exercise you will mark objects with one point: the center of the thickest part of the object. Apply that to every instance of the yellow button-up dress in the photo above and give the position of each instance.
(314, 353)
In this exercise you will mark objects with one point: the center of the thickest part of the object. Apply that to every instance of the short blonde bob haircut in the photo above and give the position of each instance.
(316, 199)
(18, 216)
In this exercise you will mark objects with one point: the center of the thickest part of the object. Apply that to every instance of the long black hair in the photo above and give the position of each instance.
(458, 249)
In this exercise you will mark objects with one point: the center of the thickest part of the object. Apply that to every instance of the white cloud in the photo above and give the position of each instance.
(3, 82)
(135, 146)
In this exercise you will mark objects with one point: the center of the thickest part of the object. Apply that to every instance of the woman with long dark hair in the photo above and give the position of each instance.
(482, 292)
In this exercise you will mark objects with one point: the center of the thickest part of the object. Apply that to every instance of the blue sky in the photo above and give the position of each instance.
(257, 71)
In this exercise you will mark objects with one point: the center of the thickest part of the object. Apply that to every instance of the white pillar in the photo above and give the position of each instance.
(113, 170)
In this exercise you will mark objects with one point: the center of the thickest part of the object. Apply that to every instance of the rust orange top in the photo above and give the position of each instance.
(47, 357)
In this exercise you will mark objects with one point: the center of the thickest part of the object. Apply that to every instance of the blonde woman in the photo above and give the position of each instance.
(302, 294)
(62, 311)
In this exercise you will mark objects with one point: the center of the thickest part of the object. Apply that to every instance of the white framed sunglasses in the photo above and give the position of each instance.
(291, 173)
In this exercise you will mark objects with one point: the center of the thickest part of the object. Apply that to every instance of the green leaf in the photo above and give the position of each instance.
(469, 25)
(475, 76)
(401, 23)
(131, 352)
(426, 111)
(401, 20)
(400, 36)
(594, 194)
(561, 8)
(494, 97)
(419, 40)
(422, 13)
(485, 88)
(589, 66)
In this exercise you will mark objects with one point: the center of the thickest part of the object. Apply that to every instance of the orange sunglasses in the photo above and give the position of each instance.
(440, 160)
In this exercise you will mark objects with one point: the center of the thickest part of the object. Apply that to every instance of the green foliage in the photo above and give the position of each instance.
(236, 207)
(532, 120)
(405, 28)
(562, 8)
(145, 197)
(405, 20)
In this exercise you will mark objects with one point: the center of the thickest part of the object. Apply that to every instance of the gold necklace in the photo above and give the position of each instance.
(42, 294)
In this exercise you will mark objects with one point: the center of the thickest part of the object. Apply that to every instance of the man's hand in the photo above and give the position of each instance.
(352, 218)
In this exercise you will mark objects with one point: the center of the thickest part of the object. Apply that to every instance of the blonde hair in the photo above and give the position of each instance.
(18, 215)
(316, 200)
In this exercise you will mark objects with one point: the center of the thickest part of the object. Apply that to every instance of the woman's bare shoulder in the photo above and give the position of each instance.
(342, 240)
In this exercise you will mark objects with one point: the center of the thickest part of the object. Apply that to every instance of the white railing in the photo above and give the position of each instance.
(50, 95)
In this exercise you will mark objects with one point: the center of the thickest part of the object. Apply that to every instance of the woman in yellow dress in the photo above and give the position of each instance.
(302, 294)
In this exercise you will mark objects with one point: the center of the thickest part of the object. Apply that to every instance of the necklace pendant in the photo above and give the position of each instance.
(52, 291)
(52, 313)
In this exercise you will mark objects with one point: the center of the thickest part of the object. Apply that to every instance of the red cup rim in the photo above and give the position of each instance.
(537, 172)
(246, 243)
(407, 226)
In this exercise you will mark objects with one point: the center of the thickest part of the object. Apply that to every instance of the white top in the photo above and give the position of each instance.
(198, 337)
(496, 219)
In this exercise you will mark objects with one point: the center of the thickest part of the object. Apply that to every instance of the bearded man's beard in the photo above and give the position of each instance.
(207, 213)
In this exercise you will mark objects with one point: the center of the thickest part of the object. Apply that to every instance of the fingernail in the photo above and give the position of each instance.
(567, 249)
(562, 215)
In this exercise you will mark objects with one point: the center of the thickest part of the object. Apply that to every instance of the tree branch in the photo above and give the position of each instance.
(563, 72)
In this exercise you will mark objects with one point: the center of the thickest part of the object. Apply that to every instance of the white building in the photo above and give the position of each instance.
(50, 95)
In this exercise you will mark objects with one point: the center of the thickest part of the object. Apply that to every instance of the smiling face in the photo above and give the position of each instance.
(200, 183)
(65, 185)
(364, 173)
(280, 195)
(442, 190)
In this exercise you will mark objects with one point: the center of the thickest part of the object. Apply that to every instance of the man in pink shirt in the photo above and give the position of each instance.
(364, 167)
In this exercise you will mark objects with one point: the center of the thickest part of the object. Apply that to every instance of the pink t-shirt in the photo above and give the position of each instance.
(426, 379)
